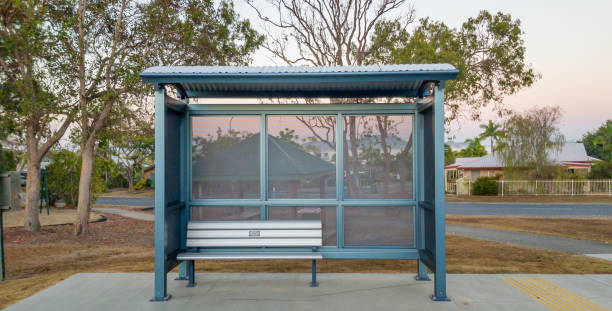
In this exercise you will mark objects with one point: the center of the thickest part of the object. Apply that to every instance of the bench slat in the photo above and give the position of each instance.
(249, 255)
(203, 234)
(254, 224)
(255, 242)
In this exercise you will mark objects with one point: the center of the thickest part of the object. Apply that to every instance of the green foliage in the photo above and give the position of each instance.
(601, 170)
(529, 141)
(474, 149)
(485, 186)
(8, 160)
(493, 131)
(63, 177)
(449, 155)
(143, 183)
(488, 50)
(598, 144)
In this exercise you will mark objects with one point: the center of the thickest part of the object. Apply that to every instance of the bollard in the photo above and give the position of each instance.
(5, 204)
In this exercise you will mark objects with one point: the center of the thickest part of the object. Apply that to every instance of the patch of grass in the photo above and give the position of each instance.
(123, 192)
(593, 229)
(529, 199)
(38, 260)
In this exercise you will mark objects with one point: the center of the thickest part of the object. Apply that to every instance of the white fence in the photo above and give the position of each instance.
(539, 187)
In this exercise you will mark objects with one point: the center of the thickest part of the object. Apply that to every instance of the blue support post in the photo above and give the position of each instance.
(419, 155)
(313, 282)
(185, 133)
(422, 272)
(191, 273)
(440, 212)
(160, 293)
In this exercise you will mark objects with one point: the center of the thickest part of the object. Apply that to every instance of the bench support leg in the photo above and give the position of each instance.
(191, 273)
(182, 271)
(422, 272)
(314, 283)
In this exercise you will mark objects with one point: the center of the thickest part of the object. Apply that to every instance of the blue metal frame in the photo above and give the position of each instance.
(427, 202)
(340, 202)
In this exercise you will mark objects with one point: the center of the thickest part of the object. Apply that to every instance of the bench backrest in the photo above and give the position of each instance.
(254, 233)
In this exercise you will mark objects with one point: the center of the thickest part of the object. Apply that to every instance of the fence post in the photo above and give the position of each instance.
(469, 187)
(610, 187)
(536, 187)
(502, 187)
(572, 185)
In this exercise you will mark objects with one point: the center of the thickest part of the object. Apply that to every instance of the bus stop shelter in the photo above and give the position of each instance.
(359, 147)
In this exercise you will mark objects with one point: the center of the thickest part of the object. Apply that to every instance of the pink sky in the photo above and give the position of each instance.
(568, 42)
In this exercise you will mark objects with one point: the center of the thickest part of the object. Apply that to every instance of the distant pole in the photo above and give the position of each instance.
(5, 202)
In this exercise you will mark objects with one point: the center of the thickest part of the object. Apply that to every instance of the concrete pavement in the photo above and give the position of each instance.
(125, 213)
(337, 291)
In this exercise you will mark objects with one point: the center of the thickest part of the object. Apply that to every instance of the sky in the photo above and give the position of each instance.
(568, 42)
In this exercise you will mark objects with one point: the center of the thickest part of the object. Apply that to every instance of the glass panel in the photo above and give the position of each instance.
(225, 159)
(378, 226)
(327, 214)
(301, 157)
(225, 213)
(378, 156)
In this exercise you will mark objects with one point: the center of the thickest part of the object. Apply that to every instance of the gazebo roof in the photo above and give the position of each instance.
(404, 80)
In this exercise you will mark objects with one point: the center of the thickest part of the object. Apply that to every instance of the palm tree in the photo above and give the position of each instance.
(491, 130)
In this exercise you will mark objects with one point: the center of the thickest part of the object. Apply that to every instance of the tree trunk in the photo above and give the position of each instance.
(32, 222)
(84, 200)
(355, 165)
(130, 178)
(382, 128)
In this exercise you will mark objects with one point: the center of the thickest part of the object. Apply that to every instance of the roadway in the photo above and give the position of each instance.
(501, 209)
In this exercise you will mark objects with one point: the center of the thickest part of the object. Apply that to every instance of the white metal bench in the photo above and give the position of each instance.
(269, 235)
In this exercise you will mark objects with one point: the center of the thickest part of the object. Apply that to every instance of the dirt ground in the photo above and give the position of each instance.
(14, 218)
(35, 261)
(595, 229)
(530, 199)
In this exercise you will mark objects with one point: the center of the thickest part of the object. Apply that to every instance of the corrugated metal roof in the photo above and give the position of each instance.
(264, 70)
(336, 81)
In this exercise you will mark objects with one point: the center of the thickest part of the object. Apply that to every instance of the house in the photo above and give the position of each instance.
(572, 157)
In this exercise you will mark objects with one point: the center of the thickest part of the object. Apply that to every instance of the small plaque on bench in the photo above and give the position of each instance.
(253, 233)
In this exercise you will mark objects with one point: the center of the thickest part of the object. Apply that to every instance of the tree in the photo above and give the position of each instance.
(63, 176)
(129, 138)
(34, 105)
(449, 155)
(488, 50)
(333, 34)
(474, 149)
(112, 41)
(598, 144)
(601, 170)
(528, 141)
(492, 131)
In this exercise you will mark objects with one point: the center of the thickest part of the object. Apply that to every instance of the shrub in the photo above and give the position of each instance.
(63, 177)
(485, 186)
(143, 183)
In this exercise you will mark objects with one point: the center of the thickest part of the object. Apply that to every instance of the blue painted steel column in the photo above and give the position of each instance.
(419, 193)
(185, 143)
(160, 195)
(440, 212)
